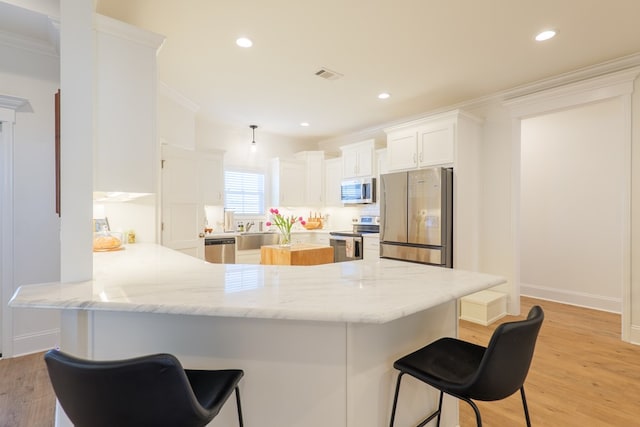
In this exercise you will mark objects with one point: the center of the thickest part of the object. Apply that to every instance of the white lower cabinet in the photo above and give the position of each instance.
(371, 246)
(333, 176)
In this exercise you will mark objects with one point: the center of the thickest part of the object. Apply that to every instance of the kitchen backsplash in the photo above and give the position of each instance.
(138, 215)
(336, 218)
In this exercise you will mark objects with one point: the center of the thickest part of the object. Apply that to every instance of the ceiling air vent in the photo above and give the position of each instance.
(327, 74)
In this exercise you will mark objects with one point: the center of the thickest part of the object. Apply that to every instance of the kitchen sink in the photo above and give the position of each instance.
(249, 240)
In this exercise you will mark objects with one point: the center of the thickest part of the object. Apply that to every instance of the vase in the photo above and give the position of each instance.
(285, 238)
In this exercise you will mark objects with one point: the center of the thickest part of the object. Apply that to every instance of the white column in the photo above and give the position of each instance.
(6, 228)
(77, 59)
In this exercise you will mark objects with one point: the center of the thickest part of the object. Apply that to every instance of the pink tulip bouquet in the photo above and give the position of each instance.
(284, 224)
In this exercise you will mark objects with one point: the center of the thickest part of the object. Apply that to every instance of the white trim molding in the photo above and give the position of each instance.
(581, 299)
(618, 84)
(8, 107)
(172, 94)
(26, 343)
(10, 104)
(122, 30)
(634, 335)
(578, 93)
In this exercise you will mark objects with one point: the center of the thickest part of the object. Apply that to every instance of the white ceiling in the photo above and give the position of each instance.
(427, 53)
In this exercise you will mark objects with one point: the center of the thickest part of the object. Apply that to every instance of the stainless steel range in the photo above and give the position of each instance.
(348, 245)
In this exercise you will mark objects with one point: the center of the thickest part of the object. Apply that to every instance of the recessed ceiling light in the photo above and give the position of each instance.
(545, 35)
(305, 124)
(244, 42)
(384, 95)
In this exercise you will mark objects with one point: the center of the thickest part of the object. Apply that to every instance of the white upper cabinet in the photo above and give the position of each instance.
(333, 176)
(436, 145)
(433, 141)
(402, 149)
(357, 159)
(211, 178)
(314, 177)
(287, 178)
(126, 154)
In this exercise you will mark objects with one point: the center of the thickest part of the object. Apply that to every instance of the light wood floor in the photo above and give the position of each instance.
(582, 375)
(26, 396)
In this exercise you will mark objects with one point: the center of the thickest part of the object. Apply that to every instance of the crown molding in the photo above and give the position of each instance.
(581, 92)
(447, 115)
(14, 103)
(9, 105)
(29, 44)
(602, 69)
(107, 25)
(169, 92)
(597, 70)
(54, 33)
(629, 62)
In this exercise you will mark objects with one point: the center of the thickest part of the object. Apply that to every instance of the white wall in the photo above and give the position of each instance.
(36, 240)
(495, 235)
(635, 215)
(572, 205)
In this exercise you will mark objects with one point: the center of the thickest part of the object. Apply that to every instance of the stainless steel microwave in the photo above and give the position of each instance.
(358, 190)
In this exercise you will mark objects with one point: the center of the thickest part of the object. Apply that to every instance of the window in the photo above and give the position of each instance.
(244, 192)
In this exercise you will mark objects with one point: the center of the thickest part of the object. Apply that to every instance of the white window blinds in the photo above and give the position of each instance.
(244, 192)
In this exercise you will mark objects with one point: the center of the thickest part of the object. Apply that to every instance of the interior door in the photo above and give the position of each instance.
(183, 215)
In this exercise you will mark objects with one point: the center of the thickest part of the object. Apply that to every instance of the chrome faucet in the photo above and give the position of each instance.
(248, 226)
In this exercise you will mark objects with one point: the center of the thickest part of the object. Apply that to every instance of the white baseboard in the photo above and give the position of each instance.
(36, 342)
(634, 336)
(582, 299)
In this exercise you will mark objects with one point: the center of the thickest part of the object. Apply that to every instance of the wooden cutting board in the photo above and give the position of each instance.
(300, 254)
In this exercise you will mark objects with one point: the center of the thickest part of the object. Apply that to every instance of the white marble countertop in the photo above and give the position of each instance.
(153, 279)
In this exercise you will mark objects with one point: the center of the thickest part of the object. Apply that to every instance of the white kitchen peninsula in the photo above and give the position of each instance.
(317, 343)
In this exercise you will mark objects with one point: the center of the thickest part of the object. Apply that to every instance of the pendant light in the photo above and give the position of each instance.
(253, 140)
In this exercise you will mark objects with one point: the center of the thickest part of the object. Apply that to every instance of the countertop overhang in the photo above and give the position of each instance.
(150, 278)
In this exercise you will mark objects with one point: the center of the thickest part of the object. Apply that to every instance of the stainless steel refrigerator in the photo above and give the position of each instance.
(416, 216)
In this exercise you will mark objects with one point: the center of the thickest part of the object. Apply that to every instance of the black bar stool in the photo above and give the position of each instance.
(151, 390)
(468, 371)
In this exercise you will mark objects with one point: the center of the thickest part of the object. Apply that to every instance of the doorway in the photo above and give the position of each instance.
(617, 88)
(572, 205)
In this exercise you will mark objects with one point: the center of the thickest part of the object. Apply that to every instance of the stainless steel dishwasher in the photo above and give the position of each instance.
(220, 250)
